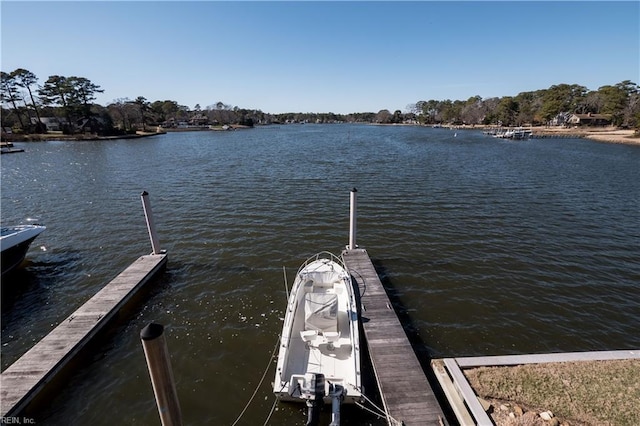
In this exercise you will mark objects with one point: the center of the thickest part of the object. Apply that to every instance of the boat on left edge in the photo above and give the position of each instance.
(14, 244)
(319, 357)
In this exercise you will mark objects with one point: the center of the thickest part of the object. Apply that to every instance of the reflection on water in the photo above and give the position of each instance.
(487, 247)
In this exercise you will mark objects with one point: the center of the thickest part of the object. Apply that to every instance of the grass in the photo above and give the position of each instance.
(578, 393)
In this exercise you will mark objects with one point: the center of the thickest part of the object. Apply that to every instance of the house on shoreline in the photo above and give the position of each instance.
(589, 119)
(50, 123)
(572, 120)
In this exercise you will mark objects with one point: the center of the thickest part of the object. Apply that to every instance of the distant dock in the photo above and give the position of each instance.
(7, 148)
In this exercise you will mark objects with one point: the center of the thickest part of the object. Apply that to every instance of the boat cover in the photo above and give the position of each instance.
(321, 311)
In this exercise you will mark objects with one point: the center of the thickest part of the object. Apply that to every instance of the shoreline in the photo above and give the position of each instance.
(599, 134)
(58, 136)
(41, 137)
(605, 134)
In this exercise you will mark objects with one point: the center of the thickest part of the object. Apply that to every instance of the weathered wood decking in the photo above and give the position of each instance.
(405, 391)
(23, 380)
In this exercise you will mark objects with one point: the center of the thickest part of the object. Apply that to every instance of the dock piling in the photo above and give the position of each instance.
(159, 364)
(153, 236)
(352, 220)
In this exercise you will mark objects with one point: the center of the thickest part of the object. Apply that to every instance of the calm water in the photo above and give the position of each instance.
(490, 247)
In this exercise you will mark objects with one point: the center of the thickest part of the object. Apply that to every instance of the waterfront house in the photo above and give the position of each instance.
(51, 123)
(199, 120)
(560, 119)
(90, 124)
(590, 119)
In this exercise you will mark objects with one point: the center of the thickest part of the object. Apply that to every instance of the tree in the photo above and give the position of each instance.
(143, 108)
(413, 108)
(562, 98)
(57, 91)
(507, 111)
(164, 110)
(26, 79)
(220, 113)
(430, 110)
(83, 93)
(383, 116)
(472, 112)
(10, 94)
(529, 104)
(73, 94)
(102, 120)
(631, 109)
(491, 106)
(450, 112)
(592, 102)
(122, 108)
(618, 101)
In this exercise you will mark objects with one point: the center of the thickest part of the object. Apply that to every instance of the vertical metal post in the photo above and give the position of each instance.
(155, 244)
(352, 221)
(159, 364)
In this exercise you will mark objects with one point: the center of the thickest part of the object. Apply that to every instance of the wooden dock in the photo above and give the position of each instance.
(405, 391)
(25, 379)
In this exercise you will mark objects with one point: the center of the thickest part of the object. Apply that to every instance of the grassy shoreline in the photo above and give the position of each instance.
(583, 393)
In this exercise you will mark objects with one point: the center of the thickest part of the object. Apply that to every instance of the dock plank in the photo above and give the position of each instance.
(506, 360)
(405, 391)
(24, 379)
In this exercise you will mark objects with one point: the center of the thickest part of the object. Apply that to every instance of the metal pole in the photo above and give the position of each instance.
(155, 244)
(352, 221)
(159, 363)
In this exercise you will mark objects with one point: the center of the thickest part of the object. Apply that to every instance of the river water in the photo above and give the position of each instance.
(488, 247)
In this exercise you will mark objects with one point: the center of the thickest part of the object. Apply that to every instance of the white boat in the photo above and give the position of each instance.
(319, 357)
(14, 244)
(518, 133)
(521, 134)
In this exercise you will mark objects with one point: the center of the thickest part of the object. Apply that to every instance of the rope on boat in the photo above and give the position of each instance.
(365, 408)
(259, 383)
(275, 403)
(267, 369)
(286, 286)
(273, 408)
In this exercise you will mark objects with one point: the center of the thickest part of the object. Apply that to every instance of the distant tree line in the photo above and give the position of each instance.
(621, 102)
(67, 104)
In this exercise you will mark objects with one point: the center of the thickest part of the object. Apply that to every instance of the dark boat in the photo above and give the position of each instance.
(14, 244)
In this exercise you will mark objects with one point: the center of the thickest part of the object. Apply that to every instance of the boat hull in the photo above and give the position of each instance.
(15, 243)
(320, 333)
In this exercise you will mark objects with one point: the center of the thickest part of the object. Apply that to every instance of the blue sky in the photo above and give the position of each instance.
(336, 57)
